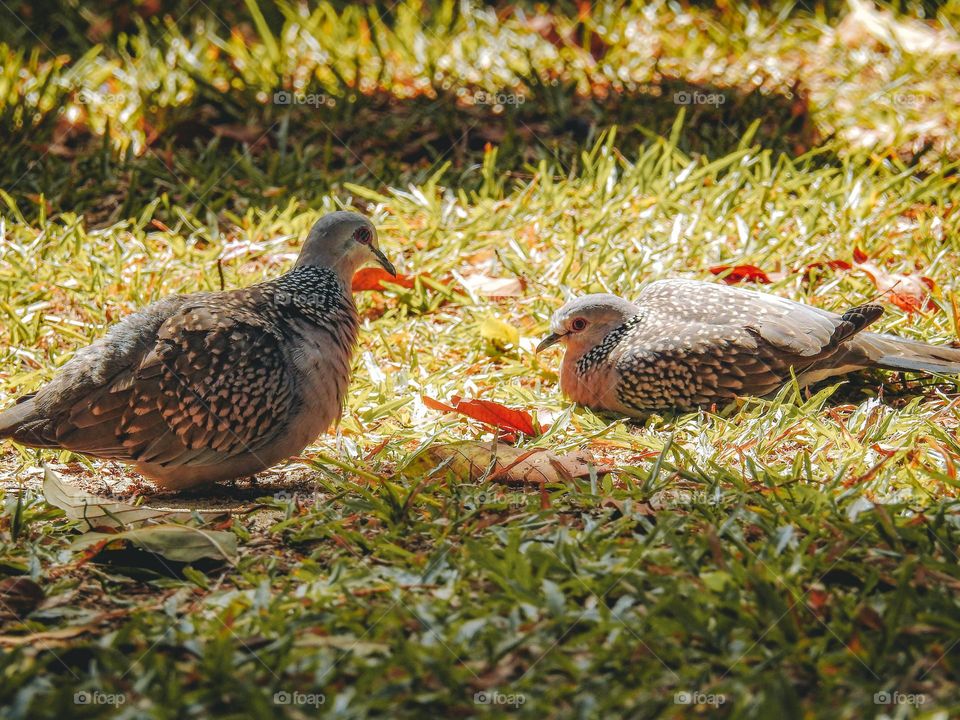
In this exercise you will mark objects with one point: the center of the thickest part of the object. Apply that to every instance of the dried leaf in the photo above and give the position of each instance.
(911, 293)
(488, 412)
(507, 464)
(19, 596)
(41, 639)
(104, 512)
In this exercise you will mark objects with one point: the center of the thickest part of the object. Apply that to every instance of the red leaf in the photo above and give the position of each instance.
(831, 264)
(372, 278)
(741, 273)
(488, 412)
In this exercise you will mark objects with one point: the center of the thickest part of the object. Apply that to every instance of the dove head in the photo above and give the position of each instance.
(343, 241)
(582, 324)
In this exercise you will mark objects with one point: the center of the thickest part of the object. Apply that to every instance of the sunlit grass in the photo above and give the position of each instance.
(795, 555)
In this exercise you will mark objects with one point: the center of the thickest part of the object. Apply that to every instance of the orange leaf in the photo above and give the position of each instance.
(741, 273)
(436, 404)
(495, 414)
(488, 412)
(372, 278)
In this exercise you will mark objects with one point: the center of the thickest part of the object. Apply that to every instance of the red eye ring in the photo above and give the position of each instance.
(363, 235)
(578, 324)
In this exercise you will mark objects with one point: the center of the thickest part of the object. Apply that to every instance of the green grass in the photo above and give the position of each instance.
(794, 556)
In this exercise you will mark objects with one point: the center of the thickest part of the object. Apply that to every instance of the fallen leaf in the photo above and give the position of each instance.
(733, 274)
(78, 504)
(372, 278)
(912, 293)
(493, 287)
(830, 264)
(40, 638)
(19, 596)
(504, 463)
(488, 412)
(500, 333)
(178, 543)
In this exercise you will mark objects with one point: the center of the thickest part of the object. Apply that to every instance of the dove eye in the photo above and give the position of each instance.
(578, 324)
(363, 236)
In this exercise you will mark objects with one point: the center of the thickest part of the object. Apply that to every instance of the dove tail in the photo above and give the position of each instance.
(21, 423)
(895, 353)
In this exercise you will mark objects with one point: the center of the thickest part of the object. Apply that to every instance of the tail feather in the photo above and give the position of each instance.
(23, 423)
(895, 353)
(12, 418)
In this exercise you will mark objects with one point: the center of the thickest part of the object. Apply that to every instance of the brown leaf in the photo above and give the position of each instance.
(19, 596)
(510, 465)
(43, 638)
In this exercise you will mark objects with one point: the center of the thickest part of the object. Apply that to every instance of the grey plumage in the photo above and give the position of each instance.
(210, 386)
(686, 344)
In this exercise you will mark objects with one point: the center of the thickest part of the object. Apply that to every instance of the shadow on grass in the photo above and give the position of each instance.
(217, 154)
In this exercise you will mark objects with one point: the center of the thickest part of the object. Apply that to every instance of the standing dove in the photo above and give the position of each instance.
(687, 344)
(214, 385)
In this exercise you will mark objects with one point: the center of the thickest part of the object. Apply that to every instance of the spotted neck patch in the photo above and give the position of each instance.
(598, 354)
(312, 293)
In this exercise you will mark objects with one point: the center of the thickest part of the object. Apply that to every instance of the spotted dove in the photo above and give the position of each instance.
(688, 344)
(214, 385)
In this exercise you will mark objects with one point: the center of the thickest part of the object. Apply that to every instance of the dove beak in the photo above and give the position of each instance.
(382, 260)
(549, 341)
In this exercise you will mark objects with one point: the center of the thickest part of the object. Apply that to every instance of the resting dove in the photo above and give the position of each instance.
(686, 344)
